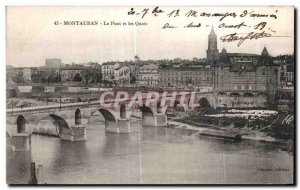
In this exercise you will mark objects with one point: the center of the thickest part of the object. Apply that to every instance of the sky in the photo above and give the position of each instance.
(32, 36)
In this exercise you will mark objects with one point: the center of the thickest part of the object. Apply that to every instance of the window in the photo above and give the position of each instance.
(250, 87)
(239, 87)
(235, 87)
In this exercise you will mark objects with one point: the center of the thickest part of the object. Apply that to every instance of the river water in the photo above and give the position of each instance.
(151, 155)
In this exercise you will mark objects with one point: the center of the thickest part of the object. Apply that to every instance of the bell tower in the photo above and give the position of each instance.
(212, 53)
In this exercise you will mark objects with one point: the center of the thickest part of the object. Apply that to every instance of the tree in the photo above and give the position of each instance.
(12, 93)
(99, 78)
(204, 103)
(77, 78)
(133, 79)
(36, 78)
(57, 78)
(18, 78)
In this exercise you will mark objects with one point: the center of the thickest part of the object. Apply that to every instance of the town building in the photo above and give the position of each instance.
(53, 63)
(122, 75)
(285, 71)
(137, 58)
(286, 82)
(116, 72)
(245, 80)
(212, 52)
(134, 68)
(38, 74)
(148, 75)
(15, 74)
(68, 74)
(108, 70)
(86, 75)
(27, 74)
(94, 65)
(188, 73)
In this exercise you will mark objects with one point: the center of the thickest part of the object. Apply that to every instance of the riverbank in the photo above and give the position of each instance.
(200, 127)
(245, 133)
(263, 125)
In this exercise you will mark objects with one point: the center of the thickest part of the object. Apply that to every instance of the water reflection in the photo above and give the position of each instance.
(17, 167)
(150, 155)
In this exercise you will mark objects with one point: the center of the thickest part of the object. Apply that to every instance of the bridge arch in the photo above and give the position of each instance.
(122, 111)
(146, 110)
(176, 103)
(221, 94)
(60, 124)
(108, 115)
(158, 106)
(235, 94)
(248, 95)
(77, 117)
(21, 124)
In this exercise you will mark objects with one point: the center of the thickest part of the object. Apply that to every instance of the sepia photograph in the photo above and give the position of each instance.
(150, 95)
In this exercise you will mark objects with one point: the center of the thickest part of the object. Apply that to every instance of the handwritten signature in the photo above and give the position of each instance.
(242, 37)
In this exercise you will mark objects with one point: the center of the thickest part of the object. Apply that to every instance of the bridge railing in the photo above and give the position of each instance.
(59, 106)
(48, 107)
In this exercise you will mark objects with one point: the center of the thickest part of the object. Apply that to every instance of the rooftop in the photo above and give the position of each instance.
(150, 67)
(242, 55)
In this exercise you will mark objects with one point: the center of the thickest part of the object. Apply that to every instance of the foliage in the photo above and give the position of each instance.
(12, 93)
(77, 78)
(240, 122)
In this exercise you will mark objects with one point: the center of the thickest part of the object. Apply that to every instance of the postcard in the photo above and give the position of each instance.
(143, 95)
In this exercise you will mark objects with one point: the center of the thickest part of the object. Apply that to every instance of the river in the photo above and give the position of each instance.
(151, 155)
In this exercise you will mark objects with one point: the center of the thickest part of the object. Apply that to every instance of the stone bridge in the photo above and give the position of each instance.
(72, 119)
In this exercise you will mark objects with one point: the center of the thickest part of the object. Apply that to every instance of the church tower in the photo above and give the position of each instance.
(212, 53)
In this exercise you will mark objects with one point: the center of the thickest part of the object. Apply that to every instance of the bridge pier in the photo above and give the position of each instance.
(78, 133)
(155, 120)
(21, 142)
(122, 125)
